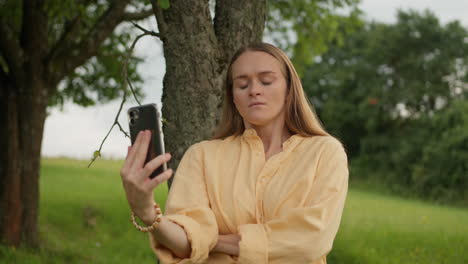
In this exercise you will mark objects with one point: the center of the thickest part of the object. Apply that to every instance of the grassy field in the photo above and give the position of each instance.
(84, 219)
(388, 230)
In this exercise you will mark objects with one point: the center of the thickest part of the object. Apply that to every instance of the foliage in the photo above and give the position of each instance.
(442, 172)
(99, 78)
(386, 90)
(304, 28)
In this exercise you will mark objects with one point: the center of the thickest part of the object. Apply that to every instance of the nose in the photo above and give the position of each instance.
(256, 88)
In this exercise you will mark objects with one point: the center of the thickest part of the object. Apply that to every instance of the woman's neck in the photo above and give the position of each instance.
(272, 135)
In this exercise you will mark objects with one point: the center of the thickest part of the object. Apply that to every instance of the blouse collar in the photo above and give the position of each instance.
(251, 134)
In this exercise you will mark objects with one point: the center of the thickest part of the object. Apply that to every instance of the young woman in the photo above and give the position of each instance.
(270, 188)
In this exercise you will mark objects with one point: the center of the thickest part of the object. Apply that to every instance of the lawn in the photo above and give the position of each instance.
(84, 219)
(387, 230)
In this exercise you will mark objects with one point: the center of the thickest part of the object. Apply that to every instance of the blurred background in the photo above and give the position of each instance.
(388, 78)
(152, 70)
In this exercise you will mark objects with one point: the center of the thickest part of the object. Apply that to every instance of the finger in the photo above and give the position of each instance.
(133, 149)
(140, 154)
(123, 170)
(155, 163)
(160, 179)
(128, 151)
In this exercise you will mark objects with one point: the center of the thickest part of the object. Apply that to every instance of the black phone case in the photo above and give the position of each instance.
(147, 117)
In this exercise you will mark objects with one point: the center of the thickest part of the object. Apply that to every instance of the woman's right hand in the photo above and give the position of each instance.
(135, 177)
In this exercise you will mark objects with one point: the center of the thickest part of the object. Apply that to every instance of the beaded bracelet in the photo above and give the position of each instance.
(154, 225)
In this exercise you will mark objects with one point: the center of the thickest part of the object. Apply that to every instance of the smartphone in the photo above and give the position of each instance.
(147, 117)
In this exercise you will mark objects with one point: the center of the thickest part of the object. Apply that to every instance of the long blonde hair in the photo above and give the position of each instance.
(300, 115)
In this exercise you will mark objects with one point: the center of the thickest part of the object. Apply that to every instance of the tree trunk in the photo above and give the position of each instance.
(197, 50)
(33, 62)
(23, 114)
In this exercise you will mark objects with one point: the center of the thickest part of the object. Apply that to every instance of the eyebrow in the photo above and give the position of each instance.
(259, 73)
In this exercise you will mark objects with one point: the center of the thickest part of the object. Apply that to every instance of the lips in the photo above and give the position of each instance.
(256, 103)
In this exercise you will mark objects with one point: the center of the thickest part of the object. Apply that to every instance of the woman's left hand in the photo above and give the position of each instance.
(228, 244)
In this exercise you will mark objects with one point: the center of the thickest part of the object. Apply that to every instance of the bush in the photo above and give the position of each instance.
(442, 173)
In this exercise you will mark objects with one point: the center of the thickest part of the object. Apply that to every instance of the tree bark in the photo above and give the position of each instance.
(23, 113)
(197, 50)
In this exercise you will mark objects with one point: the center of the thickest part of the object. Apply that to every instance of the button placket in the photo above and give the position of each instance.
(259, 197)
(259, 147)
(269, 167)
(259, 203)
(262, 181)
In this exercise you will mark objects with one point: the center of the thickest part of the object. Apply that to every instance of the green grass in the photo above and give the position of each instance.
(69, 192)
(375, 228)
(384, 229)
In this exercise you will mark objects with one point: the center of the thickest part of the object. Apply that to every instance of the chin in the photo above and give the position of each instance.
(258, 121)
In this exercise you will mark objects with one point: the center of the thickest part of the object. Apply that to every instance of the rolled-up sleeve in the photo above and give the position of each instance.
(305, 234)
(188, 206)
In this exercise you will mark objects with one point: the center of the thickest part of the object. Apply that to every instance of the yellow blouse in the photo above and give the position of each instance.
(286, 209)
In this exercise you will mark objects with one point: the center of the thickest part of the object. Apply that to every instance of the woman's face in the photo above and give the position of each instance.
(259, 88)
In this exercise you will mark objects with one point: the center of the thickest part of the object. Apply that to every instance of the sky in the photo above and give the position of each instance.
(76, 132)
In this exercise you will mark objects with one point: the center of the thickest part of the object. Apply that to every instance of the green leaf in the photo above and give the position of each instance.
(96, 154)
(164, 4)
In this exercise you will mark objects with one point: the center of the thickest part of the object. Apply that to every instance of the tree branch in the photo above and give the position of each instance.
(66, 41)
(137, 15)
(126, 82)
(158, 13)
(70, 34)
(133, 90)
(11, 51)
(67, 38)
(97, 153)
(66, 61)
(148, 32)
